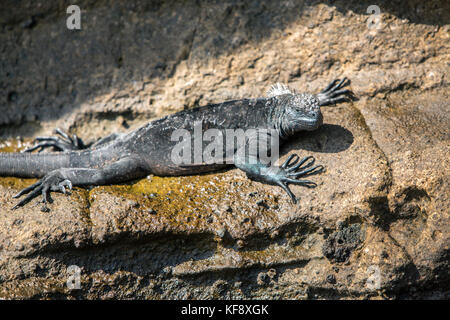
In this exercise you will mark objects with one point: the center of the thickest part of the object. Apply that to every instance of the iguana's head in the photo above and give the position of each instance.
(302, 112)
(296, 112)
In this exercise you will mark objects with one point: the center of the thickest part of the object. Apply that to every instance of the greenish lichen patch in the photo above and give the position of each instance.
(12, 145)
(16, 183)
(190, 202)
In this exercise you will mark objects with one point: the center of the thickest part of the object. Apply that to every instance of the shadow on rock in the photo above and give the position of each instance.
(141, 258)
(132, 45)
(330, 138)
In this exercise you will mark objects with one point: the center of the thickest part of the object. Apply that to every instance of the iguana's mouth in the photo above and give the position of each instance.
(309, 124)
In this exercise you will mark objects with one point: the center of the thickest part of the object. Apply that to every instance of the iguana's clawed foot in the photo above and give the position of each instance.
(53, 181)
(334, 93)
(294, 168)
(62, 142)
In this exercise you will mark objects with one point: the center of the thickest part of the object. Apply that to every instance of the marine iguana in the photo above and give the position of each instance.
(123, 157)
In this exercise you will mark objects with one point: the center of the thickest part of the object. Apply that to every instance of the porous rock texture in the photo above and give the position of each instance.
(377, 225)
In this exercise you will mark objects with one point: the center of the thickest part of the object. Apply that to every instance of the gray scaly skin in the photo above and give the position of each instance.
(147, 150)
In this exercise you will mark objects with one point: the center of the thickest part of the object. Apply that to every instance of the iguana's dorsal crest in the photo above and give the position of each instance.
(278, 89)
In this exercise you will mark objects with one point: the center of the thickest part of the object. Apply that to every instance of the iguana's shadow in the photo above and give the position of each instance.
(329, 138)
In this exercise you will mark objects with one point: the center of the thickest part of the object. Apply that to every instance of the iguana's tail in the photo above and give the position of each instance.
(31, 165)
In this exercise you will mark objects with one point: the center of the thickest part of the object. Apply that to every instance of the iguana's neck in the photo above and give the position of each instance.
(278, 116)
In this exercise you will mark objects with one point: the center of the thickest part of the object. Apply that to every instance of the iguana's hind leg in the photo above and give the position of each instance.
(62, 179)
(61, 142)
(64, 142)
(334, 93)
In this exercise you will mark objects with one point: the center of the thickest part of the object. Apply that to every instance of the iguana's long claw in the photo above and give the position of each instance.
(334, 93)
(53, 181)
(292, 169)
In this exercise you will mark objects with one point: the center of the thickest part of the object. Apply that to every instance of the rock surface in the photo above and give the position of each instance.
(377, 226)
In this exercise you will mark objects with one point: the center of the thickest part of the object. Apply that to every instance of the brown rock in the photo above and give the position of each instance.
(376, 226)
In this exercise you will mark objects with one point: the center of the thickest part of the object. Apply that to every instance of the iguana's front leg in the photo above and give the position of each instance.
(58, 180)
(288, 173)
